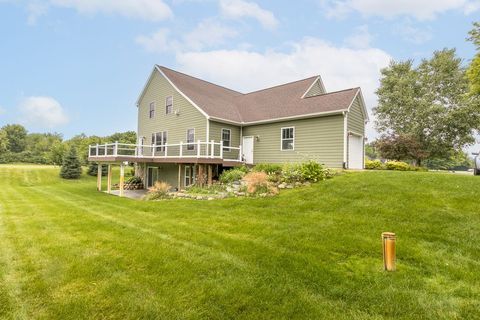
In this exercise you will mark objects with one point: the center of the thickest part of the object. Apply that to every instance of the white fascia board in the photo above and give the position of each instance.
(181, 93)
(145, 87)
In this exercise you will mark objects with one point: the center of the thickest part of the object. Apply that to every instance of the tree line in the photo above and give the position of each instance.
(429, 112)
(18, 145)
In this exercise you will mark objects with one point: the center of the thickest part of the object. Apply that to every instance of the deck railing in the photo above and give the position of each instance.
(199, 149)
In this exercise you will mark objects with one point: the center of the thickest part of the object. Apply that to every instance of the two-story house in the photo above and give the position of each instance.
(190, 129)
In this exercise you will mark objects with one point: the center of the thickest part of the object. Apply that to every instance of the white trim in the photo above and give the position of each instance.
(227, 149)
(362, 103)
(355, 133)
(317, 79)
(183, 94)
(208, 130)
(302, 116)
(281, 139)
(145, 87)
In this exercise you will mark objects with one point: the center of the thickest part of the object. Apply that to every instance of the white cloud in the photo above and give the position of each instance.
(238, 9)
(361, 38)
(43, 112)
(422, 10)
(244, 70)
(35, 10)
(150, 10)
(208, 33)
(413, 34)
(156, 42)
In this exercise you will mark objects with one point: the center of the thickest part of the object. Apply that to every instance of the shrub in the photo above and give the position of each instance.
(374, 165)
(268, 168)
(312, 171)
(159, 191)
(397, 165)
(93, 167)
(291, 172)
(257, 182)
(235, 174)
(71, 168)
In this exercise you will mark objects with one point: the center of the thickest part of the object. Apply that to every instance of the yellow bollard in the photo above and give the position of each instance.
(388, 243)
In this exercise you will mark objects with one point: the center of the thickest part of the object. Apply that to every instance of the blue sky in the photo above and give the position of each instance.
(75, 66)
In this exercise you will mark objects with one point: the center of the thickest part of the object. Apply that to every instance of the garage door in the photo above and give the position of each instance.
(355, 152)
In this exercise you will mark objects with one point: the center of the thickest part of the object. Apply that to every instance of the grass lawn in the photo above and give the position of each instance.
(70, 252)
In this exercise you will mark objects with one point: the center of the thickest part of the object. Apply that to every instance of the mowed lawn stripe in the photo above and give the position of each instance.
(311, 253)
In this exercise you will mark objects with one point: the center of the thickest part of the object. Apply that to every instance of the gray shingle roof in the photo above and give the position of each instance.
(281, 101)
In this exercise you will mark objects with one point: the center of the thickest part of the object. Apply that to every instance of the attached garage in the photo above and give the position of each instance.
(355, 151)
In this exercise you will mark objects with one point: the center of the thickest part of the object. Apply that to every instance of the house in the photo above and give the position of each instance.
(190, 129)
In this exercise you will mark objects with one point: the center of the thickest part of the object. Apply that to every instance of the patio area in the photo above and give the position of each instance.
(132, 194)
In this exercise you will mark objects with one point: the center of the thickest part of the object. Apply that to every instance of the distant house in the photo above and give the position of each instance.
(189, 128)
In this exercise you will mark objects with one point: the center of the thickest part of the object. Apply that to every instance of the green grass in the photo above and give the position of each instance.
(69, 252)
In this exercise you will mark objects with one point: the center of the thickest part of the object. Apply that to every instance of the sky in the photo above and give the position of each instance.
(78, 66)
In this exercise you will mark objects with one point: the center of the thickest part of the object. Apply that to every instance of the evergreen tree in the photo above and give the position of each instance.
(71, 168)
(93, 169)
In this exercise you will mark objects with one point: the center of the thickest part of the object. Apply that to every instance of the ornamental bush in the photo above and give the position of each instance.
(374, 165)
(158, 191)
(71, 168)
(312, 171)
(268, 168)
(235, 174)
(397, 165)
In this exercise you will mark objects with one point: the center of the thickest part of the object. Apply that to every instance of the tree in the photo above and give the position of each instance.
(401, 147)
(56, 153)
(16, 135)
(3, 141)
(371, 151)
(93, 169)
(71, 168)
(429, 104)
(473, 71)
(123, 137)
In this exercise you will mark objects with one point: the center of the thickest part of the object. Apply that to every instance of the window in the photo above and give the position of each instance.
(288, 138)
(190, 139)
(159, 139)
(152, 110)
(169, 105)
(226, 138)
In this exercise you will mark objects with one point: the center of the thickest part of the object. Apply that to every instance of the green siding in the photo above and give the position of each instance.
(216, 134)
(315, 90)
(356, 119)
(176, 125)
(320, 139)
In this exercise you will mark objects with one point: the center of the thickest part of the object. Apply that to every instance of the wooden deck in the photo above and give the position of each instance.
(182, 160)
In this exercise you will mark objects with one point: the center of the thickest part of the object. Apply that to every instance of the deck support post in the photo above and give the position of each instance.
(209, 175)
(99, 176)
(179, 176)
(200, 175)
(109, 178)
(122, 179)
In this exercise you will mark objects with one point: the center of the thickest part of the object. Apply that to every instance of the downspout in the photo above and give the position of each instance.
(345, 139)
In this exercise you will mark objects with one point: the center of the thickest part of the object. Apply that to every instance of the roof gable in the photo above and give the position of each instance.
(291, 100)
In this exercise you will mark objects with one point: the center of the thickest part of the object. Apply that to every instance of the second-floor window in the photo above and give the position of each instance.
(226, 139)
(288, 138)
(151, 113)
(191, 139)
(159, 139)
(169, 105)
